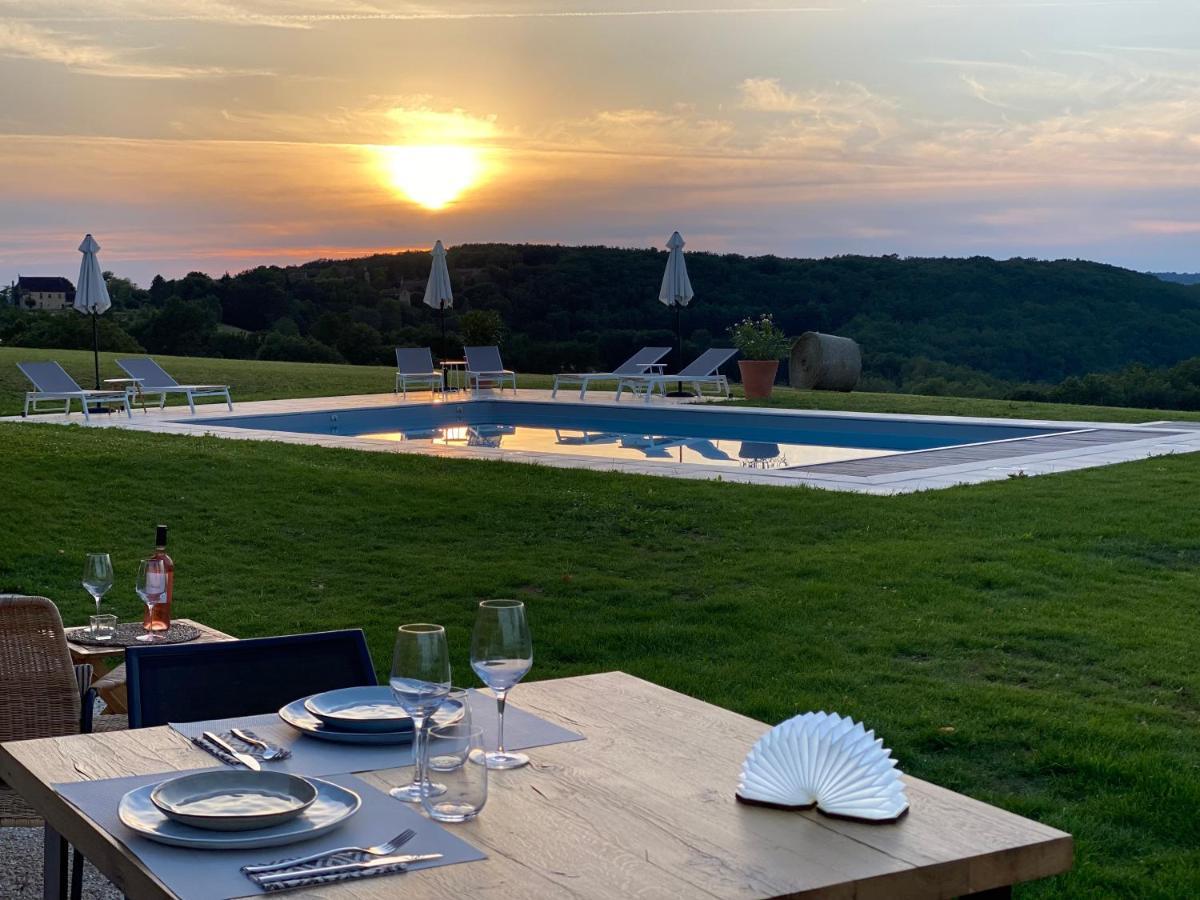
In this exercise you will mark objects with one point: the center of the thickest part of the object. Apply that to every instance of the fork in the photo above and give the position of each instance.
(270, 751)
(379, 850)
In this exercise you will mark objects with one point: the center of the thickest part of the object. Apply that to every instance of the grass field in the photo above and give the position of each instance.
(1031, 643)
(271, 380)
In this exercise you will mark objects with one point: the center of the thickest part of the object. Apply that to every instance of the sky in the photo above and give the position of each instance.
(216, 135)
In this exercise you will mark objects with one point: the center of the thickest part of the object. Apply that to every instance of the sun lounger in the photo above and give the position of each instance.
(645, 360)
(484, 367)
(53, 383)
(703, 371)
(414, 365)
(153, 379)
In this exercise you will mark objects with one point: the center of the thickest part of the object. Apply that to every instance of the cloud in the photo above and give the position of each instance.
(307, 13)
(767, 95)
(24, 41)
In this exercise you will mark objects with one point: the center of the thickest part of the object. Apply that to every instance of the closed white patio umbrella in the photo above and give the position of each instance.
(437, 290)
(91, 294)
(676, 291)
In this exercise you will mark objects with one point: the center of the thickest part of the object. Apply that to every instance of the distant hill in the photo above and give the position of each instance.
(1179, 277)
(941, 325)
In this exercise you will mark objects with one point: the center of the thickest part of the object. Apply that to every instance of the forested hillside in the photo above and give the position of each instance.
(972, 325)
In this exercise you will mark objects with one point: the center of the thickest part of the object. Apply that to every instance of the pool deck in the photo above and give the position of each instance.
(1076, 445)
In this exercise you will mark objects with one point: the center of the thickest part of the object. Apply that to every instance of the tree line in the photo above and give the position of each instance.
(974, 326)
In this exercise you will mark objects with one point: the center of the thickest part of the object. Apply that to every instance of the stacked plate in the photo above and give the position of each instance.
(359, 715)
(236, 809)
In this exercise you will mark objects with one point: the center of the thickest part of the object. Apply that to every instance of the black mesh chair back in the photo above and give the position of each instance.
(192, 682)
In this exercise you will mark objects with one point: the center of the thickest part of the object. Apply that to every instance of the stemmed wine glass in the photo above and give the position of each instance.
(420, 681)
(152, 588)
(97, 576)
(501, 654)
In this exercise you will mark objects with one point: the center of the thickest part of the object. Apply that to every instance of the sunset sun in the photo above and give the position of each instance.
(432, 176)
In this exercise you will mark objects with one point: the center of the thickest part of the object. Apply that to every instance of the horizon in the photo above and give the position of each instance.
(226, 134)
(366, 253)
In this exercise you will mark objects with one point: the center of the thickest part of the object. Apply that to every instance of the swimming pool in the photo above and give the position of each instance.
(688, 436)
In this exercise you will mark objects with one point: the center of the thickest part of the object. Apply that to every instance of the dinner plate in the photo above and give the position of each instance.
(306, 723)
(332, 807)
(371, 709)
(234, 799)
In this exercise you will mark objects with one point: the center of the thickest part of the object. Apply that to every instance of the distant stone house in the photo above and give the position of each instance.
(44, 292)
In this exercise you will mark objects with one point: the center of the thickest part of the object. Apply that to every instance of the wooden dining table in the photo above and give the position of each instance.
(644, 806)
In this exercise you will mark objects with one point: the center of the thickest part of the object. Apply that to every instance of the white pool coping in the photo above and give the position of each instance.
(1159, 440)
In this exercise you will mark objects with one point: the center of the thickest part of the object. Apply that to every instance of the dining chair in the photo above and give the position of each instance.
(42, 694)
(194, 682)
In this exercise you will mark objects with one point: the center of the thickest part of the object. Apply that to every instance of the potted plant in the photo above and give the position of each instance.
(762, 344)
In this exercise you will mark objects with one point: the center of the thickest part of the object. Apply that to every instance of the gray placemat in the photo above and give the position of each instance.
(310, 756)
(216, 874)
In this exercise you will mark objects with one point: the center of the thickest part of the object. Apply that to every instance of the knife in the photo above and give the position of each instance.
(345, 868)
(244, 758)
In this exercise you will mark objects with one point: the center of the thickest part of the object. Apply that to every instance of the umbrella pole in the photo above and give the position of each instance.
(679, 391)
(96, 347)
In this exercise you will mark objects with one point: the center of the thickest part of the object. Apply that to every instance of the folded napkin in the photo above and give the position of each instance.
(239, 745)
(298, 877)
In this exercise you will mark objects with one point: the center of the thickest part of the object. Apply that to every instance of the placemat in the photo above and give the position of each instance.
(311, 756)
(128, 633)
(216, 874)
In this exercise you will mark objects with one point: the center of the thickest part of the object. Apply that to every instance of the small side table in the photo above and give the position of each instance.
(110, 679)
(449, 368)
(132, 387)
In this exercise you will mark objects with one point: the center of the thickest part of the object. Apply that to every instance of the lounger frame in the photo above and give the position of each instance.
(170, 386)
(484, 367)
(33, 398)
(433, 379)
(644, 362)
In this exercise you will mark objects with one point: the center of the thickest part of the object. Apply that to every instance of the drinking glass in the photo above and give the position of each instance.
(97, 576)
(501, 654)
(103, 627)
(463, 787)
(455, 710)
(152, 588)
(420, 681)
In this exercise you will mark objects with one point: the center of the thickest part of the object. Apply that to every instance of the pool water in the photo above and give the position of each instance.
(676, 435)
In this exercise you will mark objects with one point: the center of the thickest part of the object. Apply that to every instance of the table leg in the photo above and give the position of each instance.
(54, 865)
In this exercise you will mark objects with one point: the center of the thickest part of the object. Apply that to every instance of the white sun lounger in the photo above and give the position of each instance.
(414, 365)
(484, 366)
(54, 384)
(640, 363)
(702, 371)
(153, 379)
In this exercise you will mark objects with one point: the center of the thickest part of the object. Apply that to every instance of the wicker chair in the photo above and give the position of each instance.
(43, 694)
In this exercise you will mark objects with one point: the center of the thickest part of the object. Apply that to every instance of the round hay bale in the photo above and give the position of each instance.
(825, 362)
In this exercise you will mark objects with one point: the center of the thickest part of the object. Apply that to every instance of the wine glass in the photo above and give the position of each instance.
(420, 681)
(97, 576)
(152, 588)
(501, 654)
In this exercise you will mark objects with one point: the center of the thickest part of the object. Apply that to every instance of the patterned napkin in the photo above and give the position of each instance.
(239, 745)
(300, 879)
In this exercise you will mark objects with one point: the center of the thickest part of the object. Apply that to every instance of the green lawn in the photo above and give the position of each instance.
(252, 380)
(1031, 643)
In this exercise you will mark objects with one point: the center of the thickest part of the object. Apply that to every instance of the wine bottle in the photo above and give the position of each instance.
(158, 615)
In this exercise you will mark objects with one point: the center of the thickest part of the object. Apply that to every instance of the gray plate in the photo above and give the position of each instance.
(333, 806)
(305, 722)
(234, 799)
(359, 709)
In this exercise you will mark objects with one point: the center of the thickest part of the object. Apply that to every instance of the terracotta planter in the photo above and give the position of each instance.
(758, 377)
